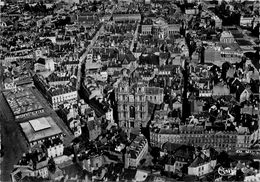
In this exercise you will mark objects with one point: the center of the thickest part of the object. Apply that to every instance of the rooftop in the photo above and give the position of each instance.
(199, 160)
(22, 101)
(60, 89)
(40, 128)
(39, 124)
(136, 146)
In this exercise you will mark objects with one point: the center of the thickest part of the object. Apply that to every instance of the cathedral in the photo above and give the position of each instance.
(133, 99)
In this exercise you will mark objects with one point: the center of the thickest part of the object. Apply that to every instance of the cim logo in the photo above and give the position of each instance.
(226, 172)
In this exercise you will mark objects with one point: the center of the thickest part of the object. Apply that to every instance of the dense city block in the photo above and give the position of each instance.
(129, 90)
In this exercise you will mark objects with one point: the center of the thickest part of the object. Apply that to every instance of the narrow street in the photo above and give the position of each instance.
(82, 59)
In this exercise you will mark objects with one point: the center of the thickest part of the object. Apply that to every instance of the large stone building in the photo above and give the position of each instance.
(137, 150)
(160, 27)
(23, 103)
(196, 136)
(56, 94)
(133, 99)
(38, 130)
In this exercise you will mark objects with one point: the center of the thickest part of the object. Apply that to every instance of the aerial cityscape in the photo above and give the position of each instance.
(129, 90)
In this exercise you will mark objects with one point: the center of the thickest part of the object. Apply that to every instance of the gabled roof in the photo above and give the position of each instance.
(239, 85)
(200, 160)
(126, 58)
(236, 82)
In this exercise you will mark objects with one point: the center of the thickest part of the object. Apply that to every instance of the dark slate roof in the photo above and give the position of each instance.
(126, 58)
(199, 160)
(170, 147)
(153, 90)
(149, 59)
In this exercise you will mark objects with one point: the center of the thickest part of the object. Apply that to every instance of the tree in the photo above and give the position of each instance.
(223, 159)
(155, 153)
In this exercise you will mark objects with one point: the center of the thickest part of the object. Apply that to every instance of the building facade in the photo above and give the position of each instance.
(201, 168)
(56, 94)
(54, 148)
(159, 27)
(196, 136)
(132, 100)
(136, 151)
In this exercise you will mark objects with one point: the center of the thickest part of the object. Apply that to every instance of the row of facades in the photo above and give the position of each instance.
(226, 140)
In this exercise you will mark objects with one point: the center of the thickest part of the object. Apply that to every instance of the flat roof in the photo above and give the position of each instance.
(40, 124)
(47, 128)
(22, 101)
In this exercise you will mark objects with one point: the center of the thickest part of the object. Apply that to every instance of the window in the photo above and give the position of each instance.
(132, 124)
(131, 98)
(132, 112)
